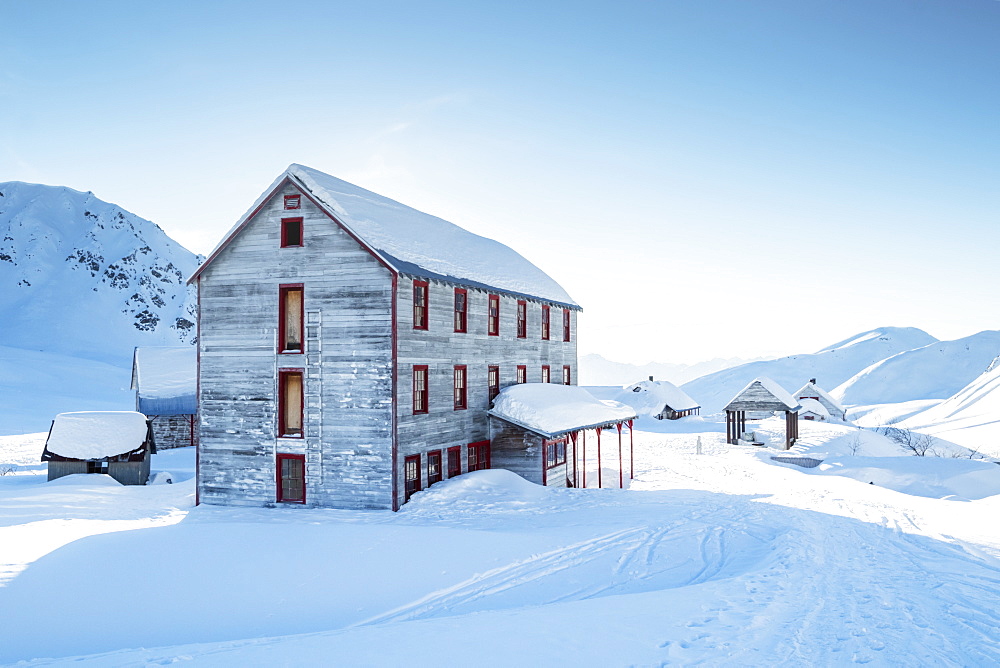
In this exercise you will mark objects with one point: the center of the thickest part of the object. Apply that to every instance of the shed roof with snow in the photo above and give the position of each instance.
(553, 410)
(813, 406)
(92, 435)
(165, 379)
(412, 242)
(811, 389)
(657, 394)
(763, 394)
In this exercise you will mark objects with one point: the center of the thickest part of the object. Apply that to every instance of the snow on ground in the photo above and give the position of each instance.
(723, 558)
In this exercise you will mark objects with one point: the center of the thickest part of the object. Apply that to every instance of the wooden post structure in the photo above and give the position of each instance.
(583, 448)
(621, 483)
(600, 481)
(631, 450)
(576, 462)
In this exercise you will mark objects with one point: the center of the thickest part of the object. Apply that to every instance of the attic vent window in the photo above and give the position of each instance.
(293, 202)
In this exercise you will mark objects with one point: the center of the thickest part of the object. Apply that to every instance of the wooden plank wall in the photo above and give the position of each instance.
(756, 398)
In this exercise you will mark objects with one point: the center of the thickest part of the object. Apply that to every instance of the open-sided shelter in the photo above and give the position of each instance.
(762, 395)
(165, 380)
(118, 443)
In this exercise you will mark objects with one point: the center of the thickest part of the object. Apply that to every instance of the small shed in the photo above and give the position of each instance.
(165, 380)
(539, 431)
(660, 399)
(810, 409)
(762, 395)
(117, 443)
(813, 391)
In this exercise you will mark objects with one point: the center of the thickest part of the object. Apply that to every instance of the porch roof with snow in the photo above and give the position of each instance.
(165, 379)
(95, 435)
(763, 394)
(409, 241)
(554, 410)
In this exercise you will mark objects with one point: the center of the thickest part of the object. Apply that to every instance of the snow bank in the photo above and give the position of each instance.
(96, 434)
(932, 477)
(481, 489)
(553, 409)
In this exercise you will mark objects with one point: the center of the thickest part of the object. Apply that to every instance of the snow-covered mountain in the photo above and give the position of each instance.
(831, 366)
(598, 370)
(934, 371)
(82, 277)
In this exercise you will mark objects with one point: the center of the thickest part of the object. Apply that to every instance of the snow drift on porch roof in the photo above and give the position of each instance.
(553, 410)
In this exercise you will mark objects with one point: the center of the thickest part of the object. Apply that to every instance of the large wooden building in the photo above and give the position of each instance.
(349, 347)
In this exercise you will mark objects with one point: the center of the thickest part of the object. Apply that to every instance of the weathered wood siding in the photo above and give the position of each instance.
(175, 431)
(521, 451)
(441, 348)
(127, 473)
(60, 469)
(347, 365)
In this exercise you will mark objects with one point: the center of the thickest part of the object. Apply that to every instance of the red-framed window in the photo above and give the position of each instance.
(493, 321)
(420, 289)
(461, 386)
(290, 402)
(493, 380)
(546, 374)
(479, 456)
(291, 478)
(546, 322)
(291, 232)
(555, 451)
(454, 461)
(461, 310)
(291, 316)
(522, 319)
(293, 202)
(522, 374)
(411, 475)
(420, 388)
(566, 376)
(434, 472)
(566, 324)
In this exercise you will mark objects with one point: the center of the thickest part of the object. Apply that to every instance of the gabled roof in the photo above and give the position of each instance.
(552, 410)
(813, 390)
(411, 242)
(765, 392)
(96, 435)
(659, 393)
(166, 378)
(813, 406)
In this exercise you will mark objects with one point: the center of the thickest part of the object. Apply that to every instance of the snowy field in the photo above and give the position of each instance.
(723, 557)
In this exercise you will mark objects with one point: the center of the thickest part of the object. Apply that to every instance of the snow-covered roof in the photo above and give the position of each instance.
(96, 434)
(551, 410)
(813, 390)
(166, 379)
(658, 393)
(813, 406)
(772, 388)
(413, 242)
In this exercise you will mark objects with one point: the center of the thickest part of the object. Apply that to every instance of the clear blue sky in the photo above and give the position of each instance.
(706, 178)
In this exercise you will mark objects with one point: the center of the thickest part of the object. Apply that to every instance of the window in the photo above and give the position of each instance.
(522, 319)
(461, 385)
(493, 379)
(419, 388)
(433, 467)
(546, 319)
(546, 374)
(479, 456)
(98, 466)
(290, 318)
(291, 232)
(454, 461)
(461, 310)
(420, 304)
(566, 376)
(566, 327)
(293, 202)
(555, 452)
(411, 472)
(522, 374)
(291, 478)
(290, 403)
(493, 323)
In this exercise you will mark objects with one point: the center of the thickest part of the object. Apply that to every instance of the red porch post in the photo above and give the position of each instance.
(583, 448)
(631, 450)
(621, 484)
(600, 483)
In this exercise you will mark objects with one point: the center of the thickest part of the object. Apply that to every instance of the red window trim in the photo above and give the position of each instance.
(546, 374)
(546, 322)
(522, 373)
(454, 457)
(425, 390)
(566, 325)
(431, 478)
(493, 372)
(462, 317)
(493, 321)
(461, 392)
(293, 202)
(281, 402)
(558, 454)
(418, 321)
(567, 375)
(474, 450)
(522, 319)
(411, 489)
(279, 491)
(284, 232)
(282, 289)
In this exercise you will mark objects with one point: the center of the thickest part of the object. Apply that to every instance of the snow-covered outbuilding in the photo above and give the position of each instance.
(810, 409)
(165, 381)
(813, 391)
(540, 431)
(762, 395)
(660, 399)
(350, 347)
(118, 443)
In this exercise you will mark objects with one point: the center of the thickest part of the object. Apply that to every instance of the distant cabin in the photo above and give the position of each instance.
(667, 401)
(350, 347)
(762, 396)
(540, 432)
(833, 409)
(165, 381)
(116, 443)
(813, 410)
